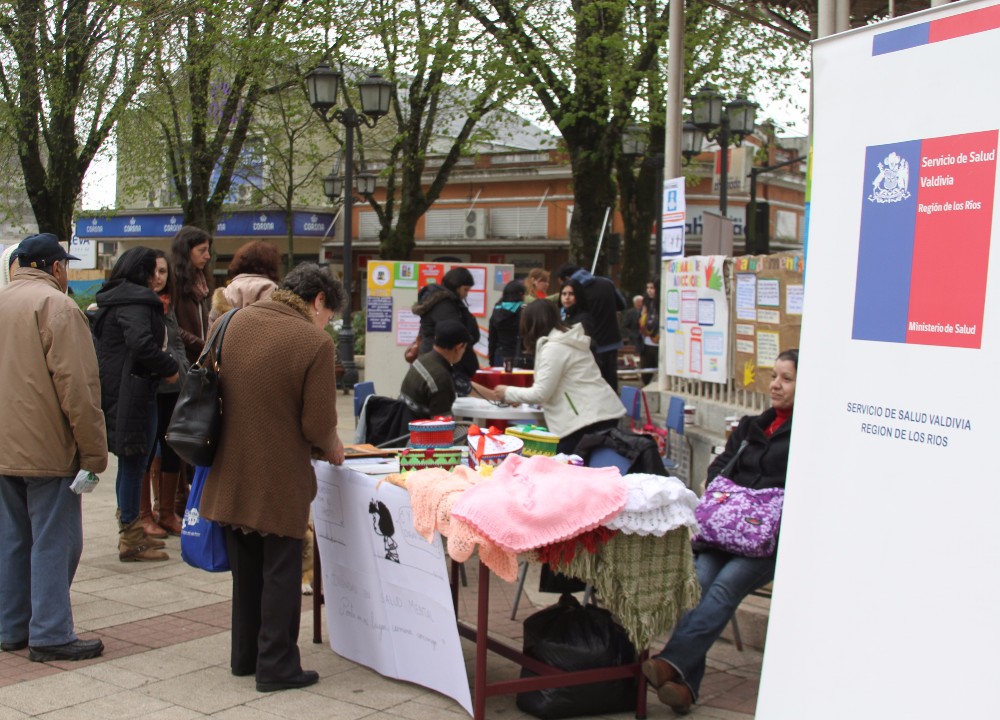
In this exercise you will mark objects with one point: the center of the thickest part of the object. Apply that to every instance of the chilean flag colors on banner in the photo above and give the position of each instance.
(925, 240)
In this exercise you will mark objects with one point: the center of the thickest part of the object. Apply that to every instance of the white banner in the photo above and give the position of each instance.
(887, 566)
(387, 597)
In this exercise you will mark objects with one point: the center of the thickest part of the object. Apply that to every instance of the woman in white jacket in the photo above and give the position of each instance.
(568, 385)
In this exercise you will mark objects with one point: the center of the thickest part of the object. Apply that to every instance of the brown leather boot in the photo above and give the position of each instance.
(168, 489)
(183, 485)
(134, 546)
(149, 525)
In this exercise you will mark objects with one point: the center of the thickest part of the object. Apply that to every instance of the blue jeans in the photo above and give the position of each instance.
(132, 468)
(41, 538)
(725, 580)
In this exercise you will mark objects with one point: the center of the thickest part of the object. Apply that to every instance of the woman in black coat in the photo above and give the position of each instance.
(505, 323)
(446, 301)
(131, 336)
(676, 672)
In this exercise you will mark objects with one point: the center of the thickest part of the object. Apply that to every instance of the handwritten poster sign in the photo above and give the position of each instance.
(695, 319)
(388, 602)
(769, 314)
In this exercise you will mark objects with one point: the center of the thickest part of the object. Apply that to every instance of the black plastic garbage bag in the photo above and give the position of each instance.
(569, 636)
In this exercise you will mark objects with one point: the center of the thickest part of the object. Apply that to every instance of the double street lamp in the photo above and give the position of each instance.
(716, 119)
(323, 82)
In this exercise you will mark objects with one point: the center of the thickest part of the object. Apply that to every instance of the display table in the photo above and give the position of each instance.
(353, 605)
(491, 377)
(479, 409)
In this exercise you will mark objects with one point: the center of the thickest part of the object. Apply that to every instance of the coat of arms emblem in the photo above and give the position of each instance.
(892, 182)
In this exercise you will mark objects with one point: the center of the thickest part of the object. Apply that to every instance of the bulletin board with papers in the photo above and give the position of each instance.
(767, 314)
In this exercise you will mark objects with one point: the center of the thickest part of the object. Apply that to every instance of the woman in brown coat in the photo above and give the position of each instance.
(279, 394)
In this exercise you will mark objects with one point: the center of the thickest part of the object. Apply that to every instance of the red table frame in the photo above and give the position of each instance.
(547, 675)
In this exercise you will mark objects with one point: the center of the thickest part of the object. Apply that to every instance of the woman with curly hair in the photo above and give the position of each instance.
(253, 276)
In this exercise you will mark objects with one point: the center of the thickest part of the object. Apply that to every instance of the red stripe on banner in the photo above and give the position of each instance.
(968, 23)
(951, 247)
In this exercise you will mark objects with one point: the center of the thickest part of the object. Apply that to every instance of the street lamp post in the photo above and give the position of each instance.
(716, 119)
(322, 83)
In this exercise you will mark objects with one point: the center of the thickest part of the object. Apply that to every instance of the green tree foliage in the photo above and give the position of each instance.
(447, 78)
(595, 66)
(290, 147)
(68, 70)
(211, 72)
(736, 52)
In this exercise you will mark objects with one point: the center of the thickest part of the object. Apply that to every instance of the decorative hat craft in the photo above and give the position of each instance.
(414, 458)
(537, 440)
(535, 501)
(656, 505)
(490, 446)
(434, 432)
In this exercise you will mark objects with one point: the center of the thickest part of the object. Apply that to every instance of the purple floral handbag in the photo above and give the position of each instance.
(739, 520)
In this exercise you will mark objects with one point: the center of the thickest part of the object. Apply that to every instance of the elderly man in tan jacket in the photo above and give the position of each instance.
(50, 390)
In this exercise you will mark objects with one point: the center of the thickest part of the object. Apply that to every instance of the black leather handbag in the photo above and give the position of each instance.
(196, 423)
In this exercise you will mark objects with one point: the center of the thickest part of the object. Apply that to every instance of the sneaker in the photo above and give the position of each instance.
(13, 646)
(304, 678)
(76, 650)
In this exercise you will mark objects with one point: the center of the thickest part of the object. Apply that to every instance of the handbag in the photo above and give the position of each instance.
(658, 434)
(203, 541)
(196, 423)
(736, 519)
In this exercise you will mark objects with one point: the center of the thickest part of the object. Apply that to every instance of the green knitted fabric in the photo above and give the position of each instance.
(647, 582)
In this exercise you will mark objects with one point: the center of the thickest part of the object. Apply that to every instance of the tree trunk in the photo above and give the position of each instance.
(593, 195)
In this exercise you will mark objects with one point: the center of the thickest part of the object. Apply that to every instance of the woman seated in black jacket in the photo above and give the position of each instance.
(676, 672)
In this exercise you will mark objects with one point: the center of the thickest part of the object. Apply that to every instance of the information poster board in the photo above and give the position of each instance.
(887, 563)
(387, 598)
(694, 338)
(391, 325)
(767, 314)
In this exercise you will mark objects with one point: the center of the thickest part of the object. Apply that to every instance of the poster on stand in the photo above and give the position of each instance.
(387, 598)
(694, 335)
(886, 562)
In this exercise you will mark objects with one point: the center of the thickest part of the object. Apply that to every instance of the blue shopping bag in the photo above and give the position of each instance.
(203, 542)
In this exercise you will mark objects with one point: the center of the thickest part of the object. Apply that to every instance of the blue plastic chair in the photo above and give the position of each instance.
(674, 424)
(361, 391)
(632, 400)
